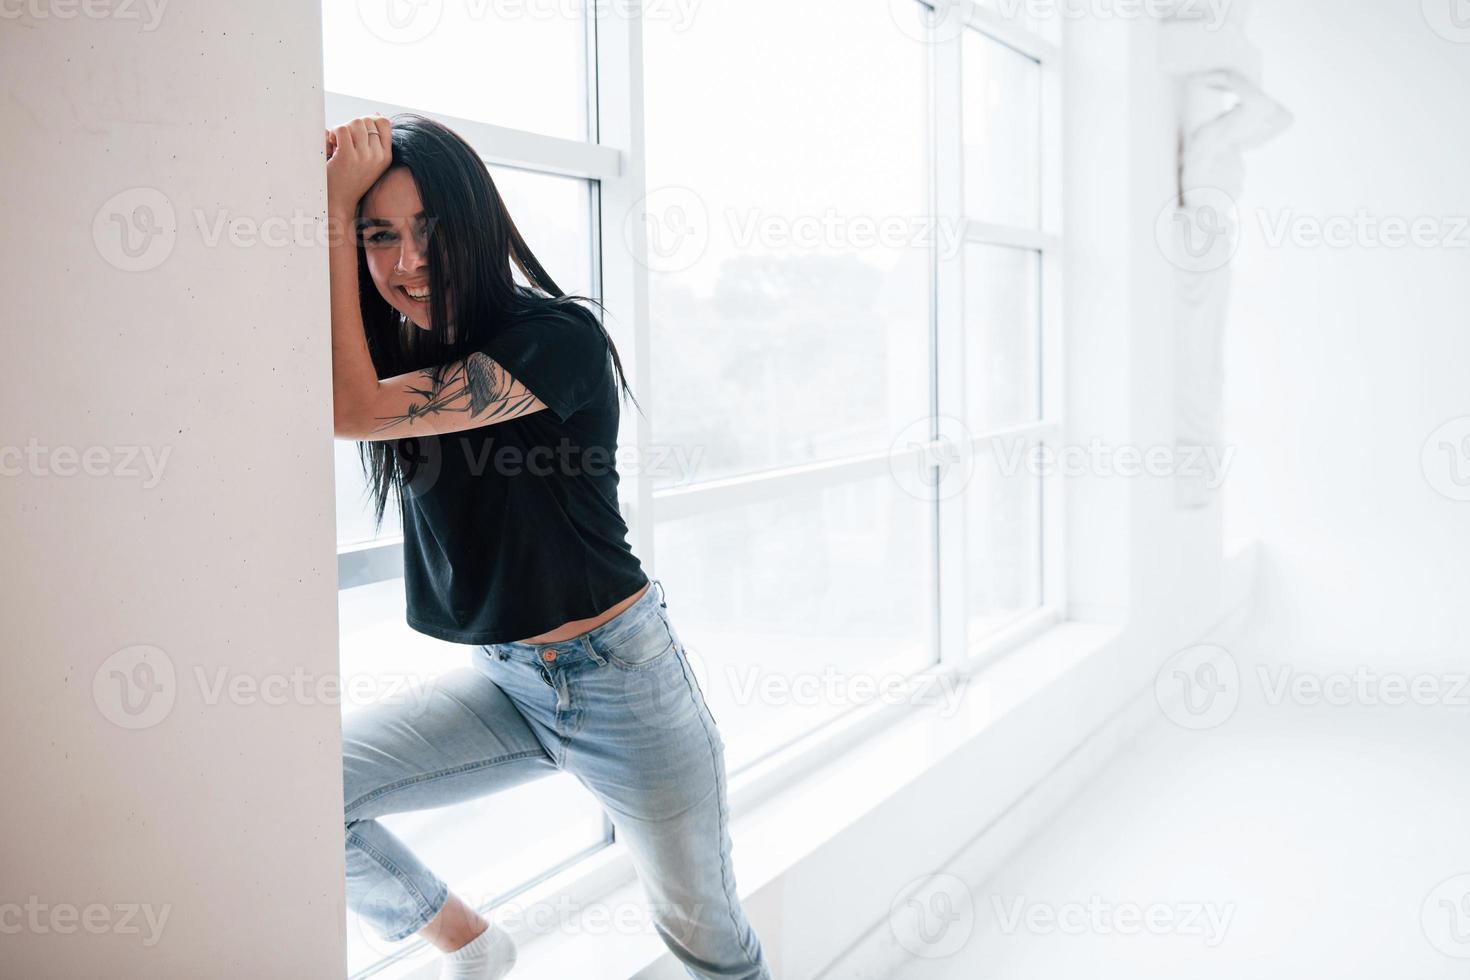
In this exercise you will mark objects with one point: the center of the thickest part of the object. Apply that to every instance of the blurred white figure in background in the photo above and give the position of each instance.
(1224, 114)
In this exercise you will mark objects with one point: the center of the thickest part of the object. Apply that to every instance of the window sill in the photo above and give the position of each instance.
(777, 828)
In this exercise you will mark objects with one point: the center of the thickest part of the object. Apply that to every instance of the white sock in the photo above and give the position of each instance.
(489, 956)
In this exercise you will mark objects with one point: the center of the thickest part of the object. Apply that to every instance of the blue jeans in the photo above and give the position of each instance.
(619, 707)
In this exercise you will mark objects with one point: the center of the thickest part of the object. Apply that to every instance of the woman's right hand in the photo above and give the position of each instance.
(358, 153)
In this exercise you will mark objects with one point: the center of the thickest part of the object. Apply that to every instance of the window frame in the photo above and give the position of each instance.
(956, 646)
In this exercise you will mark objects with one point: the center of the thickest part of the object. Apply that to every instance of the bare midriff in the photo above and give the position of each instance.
(579, 626)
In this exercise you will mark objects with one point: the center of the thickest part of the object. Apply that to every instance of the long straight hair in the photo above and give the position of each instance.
(474, 249)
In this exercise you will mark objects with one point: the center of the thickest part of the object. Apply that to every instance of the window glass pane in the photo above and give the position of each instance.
(1002, 336)
(1002, 131)
(519, 65)
(770, 595)
(789, 248)
(1003, 514)
(383, 660)
(554, 216)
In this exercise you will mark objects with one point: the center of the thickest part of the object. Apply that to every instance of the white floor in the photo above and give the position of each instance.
(1317, 837)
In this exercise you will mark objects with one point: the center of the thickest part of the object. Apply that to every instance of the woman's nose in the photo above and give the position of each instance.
(411, 258)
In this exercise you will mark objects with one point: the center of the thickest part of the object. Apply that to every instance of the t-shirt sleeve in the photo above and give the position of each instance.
(560, 356)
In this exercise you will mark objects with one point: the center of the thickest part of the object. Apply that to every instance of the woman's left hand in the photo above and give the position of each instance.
(357, 154)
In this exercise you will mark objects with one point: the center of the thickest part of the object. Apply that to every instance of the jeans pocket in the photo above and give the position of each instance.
(647, 646)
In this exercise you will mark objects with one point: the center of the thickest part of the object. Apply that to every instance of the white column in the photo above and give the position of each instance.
(171, 774)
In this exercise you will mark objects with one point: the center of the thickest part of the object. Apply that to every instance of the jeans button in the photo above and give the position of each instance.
(549, 656)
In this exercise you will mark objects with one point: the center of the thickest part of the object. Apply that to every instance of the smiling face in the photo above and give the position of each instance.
(395, 237)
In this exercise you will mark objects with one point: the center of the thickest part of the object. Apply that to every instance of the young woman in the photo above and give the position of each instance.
(490, 410)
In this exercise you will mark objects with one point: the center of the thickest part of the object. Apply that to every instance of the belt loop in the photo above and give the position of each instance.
(591, 650)
(663, 596)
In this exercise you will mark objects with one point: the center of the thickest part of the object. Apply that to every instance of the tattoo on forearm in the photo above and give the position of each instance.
(476, 385)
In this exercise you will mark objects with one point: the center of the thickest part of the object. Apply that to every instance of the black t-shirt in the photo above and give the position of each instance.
(512, 529)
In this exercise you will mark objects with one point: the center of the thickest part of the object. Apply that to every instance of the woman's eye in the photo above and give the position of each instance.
(379, 237)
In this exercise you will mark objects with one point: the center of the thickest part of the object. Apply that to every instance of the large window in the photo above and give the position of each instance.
(828, 238)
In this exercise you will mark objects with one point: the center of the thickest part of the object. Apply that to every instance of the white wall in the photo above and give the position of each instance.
(220, 820)
(1343, 360)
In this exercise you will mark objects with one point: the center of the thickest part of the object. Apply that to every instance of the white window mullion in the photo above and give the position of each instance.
(949, 318)
(617, 42)
(1053, 335)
